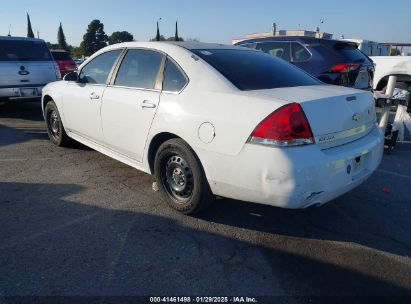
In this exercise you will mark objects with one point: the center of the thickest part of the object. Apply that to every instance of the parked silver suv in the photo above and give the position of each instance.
(26, 66)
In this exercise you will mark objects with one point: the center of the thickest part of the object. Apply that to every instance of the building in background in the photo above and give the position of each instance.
(371, 48)
(285, 33)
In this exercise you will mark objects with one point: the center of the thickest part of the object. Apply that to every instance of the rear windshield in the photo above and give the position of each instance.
(350, 52)
(253, 70)
(18, 50)
(61, 56)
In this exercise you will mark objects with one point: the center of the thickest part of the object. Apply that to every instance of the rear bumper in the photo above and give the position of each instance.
(294, 177)
(21, 92)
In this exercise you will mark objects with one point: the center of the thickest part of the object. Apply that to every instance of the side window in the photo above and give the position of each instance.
(299, 53)
(139, 69)
(97, 70)
(278, 49)
(249, 45)
(174, 79)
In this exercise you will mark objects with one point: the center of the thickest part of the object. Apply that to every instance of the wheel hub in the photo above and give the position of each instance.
(178, 178)
(54, 123)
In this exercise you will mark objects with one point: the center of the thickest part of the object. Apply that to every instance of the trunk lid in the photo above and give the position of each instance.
(26, 73)
(337, 115)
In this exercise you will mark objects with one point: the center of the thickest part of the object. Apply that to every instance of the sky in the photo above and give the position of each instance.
(210, 20)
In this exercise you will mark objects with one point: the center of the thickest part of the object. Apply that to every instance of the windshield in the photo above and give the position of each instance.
(253, 70)
(21, 50)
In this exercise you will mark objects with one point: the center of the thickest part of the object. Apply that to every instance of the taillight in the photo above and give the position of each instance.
(344, 67)
(285, 127)
(57, 71)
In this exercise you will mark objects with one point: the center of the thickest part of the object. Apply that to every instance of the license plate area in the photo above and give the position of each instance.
(358, 165)
(29, 92)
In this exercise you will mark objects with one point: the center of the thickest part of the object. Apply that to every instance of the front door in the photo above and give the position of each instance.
(82, 102)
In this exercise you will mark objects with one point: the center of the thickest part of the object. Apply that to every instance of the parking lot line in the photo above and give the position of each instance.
(394, 173)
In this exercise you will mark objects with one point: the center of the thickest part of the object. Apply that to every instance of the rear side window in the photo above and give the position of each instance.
(139, 69)
(278, 49)
(98, 69)
(252, 70)
(350, 52)
(174, 79)
(299, 53)
(20, 50)
(61, 56)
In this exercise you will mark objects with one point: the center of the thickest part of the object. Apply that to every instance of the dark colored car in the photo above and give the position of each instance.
(64, 61)
(331, 61)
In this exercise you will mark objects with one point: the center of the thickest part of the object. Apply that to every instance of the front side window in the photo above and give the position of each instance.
(139, 69)
(174, 79)
(299, 53)
(252, 70)
(97, 70)
(278, 49)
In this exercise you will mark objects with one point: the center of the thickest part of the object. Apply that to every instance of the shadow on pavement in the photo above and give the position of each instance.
(53, 245)
(29, 110)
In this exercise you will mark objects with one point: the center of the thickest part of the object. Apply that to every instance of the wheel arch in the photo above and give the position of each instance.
(382, 82)
(46, 99)
(157, 141)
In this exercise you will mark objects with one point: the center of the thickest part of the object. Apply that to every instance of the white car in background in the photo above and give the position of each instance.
(210, 119)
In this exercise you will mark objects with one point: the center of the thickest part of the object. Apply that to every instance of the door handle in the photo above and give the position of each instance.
(147, 105)
(93, 95)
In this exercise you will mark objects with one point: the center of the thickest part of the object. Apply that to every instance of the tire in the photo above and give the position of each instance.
(55, 128)
(181, 178)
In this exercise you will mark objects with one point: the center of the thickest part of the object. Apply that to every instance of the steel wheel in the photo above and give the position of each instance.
(54, 124)
(177, 178)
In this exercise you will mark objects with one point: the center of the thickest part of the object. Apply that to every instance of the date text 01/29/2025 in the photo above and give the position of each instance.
(203, 300)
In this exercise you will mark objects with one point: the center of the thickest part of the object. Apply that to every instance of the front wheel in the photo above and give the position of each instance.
(54, 125)
(181, 178)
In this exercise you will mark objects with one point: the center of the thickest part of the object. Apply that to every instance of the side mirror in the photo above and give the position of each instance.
(73, 76)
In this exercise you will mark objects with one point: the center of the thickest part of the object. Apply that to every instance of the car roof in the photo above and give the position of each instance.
(13, 38)
(58, 51)
(302, 39)
(188, 45)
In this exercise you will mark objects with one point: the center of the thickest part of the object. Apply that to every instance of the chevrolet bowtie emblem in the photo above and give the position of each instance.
(356, 117)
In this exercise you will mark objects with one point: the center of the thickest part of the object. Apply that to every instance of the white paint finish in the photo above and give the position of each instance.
(126, 119)
(81, 112)
(287, 177)
(206, 132)
(390, 65)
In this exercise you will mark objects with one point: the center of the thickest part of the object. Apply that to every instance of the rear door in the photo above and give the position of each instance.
(25, 63)
(131, 101)
(82, 100)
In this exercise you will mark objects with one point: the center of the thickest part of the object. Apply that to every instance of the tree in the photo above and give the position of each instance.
(94, 39)
(30, 33)
(176, 33)
(61, 39)
(158, 37)
(161, 38)
(118, 37)
(77, 52)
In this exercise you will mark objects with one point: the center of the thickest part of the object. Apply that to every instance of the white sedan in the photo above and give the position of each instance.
(210, 119)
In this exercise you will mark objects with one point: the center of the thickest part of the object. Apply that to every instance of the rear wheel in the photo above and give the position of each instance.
(55, 128)
(181, 178)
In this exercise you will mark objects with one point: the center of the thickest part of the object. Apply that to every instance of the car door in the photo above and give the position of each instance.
(131, 101)
(82, 99)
